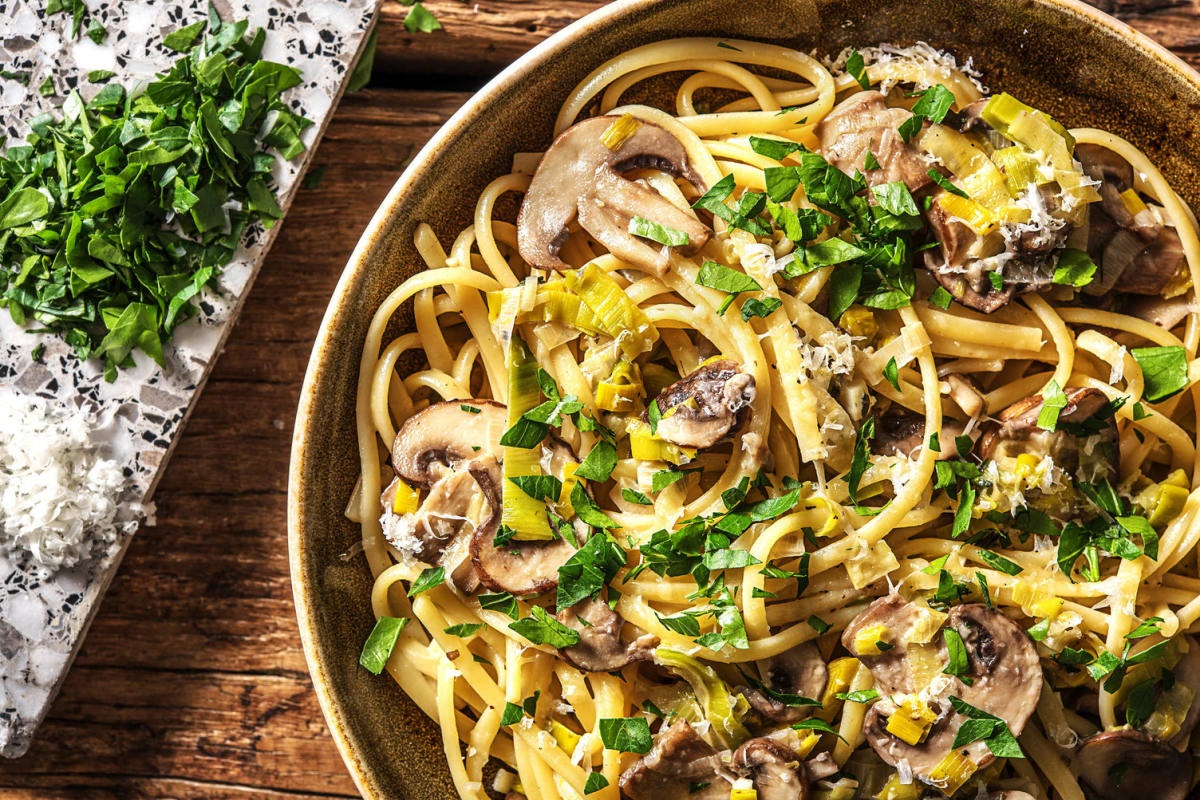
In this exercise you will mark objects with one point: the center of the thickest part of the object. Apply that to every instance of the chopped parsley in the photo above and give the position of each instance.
(626, 734)
(379, 645)
(647, 229)
(857, 69)
(428, 579)
(541, 628)
(162, 187)
(1164, 369)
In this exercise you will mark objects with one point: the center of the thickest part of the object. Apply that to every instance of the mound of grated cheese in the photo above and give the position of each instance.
(59, 498)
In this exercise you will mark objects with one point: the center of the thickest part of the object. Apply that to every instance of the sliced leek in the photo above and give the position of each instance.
(520, 512)
(616, 315)
(722, 707)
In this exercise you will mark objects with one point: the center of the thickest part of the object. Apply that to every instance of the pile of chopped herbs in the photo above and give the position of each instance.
(118, 211)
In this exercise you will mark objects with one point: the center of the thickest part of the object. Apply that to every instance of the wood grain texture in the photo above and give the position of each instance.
(192, 684)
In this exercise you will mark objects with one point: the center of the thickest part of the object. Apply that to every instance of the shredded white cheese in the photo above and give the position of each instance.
(936, 64)
(60, 499)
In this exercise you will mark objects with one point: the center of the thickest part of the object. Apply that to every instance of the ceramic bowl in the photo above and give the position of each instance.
(1079, 64)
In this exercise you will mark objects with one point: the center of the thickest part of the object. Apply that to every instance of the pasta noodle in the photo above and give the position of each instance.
(806, 427)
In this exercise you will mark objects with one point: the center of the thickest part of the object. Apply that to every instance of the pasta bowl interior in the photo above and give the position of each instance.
(771, 400)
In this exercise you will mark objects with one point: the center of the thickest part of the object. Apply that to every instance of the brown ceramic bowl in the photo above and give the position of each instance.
(1067, 58)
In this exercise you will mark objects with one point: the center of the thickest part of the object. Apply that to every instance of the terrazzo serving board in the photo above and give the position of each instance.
(43, 618)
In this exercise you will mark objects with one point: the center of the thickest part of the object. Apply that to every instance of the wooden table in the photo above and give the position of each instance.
(192, 683)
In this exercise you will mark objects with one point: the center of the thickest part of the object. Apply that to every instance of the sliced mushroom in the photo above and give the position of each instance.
(776, 769)
(444, 436)
(600, 648)
(956, 267)
(864, 123)
(821, 766)
(900, 433)
(800, 670)
(1003, 669)
(436, 449)
(1137, 254)
(902, 619)
(1116, 765)
(699, 410)
(521, 567)
(581, 178)
(1018, 432)
(679, 761)
(1166, 314)
(1155, 265)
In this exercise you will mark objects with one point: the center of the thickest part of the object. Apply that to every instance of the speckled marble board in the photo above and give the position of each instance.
(43, 618)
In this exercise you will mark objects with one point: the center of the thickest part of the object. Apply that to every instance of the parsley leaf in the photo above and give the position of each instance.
(856, 67)
(626, 734)
(1074, 268)
(1053, 402)
(541, 628)
(1164, 369)
(941, 298)
(860, 460)
(599, 463)
(429, 578)
(944, 182)
(640, 226)
(892, 373)
(379, 645)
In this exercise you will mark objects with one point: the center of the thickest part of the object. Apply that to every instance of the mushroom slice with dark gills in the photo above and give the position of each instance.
(864, 123)
(774, 768)
(1083, 446)
(682, 766)
(451, 452)
(582, 178)
(600, 648)
(961, 264)
(1116, 765)
(801, 671)
(522, 567)
(678, 762)
(1136, 252)
(900, 433)
(1002, 667)
(702, 408)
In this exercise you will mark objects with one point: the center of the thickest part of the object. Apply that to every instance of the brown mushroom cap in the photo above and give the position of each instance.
(445, 434)
(521, 567)
(700, 409)
(776, 769)
(1117, 765)
(1166, 314)
(678, 760)
(1136, 254)
(600, 648)
(863, 123)
(1018, 431)
(1006, 679)
(581, 178)
(800, 670)
(900, 433)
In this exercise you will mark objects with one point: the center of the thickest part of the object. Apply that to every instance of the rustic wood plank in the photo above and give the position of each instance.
(482, 38)
(192, 683)
(479, 38)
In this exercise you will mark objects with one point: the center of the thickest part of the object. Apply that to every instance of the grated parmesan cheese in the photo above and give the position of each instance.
(935, 63)
(60, 500)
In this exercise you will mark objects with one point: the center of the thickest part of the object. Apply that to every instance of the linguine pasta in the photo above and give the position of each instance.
(830, 434)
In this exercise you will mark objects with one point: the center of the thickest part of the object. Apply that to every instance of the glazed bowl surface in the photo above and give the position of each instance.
(1082, 66)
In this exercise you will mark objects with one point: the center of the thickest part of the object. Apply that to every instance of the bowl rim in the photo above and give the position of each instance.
(504, 80)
